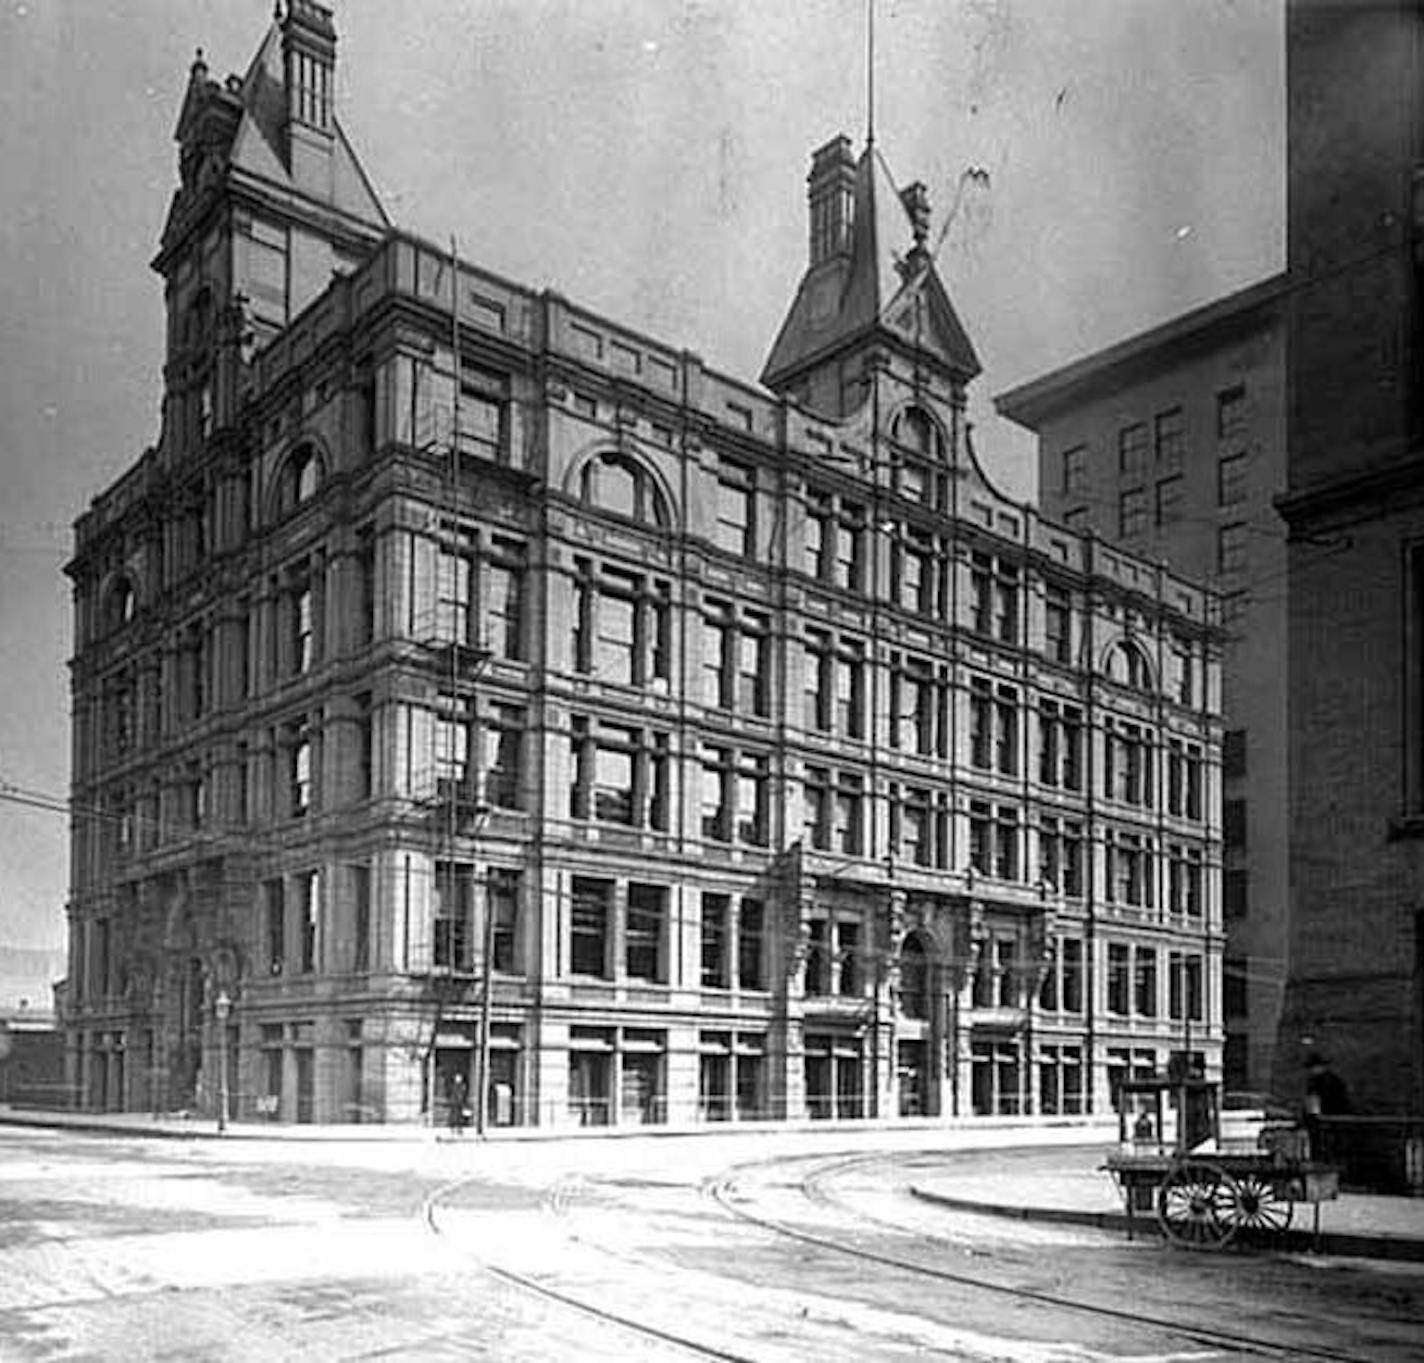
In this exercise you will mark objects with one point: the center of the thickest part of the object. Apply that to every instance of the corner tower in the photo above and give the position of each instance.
(871, 297)
(271, 202)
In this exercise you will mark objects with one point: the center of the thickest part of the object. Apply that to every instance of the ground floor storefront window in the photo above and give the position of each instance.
(731, 1077)
(617, 1075)
(835, 1076)
(995, 1076)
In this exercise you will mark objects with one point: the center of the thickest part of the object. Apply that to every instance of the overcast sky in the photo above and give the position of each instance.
(645, 157)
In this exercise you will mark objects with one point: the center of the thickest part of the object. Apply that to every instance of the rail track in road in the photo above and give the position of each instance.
(606, 1262)
(641, 1328)
(723, 1190)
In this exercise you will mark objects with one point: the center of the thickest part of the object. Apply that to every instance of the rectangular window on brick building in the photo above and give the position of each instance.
(1233, 823)
(1132, 512)
(1233, 753)
(1169, 433)
(1074, 482)
(1234, 992)
(1231, 552)
(1231, 480)
(1132, 453)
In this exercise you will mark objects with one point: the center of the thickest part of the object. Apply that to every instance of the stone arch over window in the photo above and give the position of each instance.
(299, 478)
(915, 430)
(916, 954)
(617, 483)
(120, 603)
(1128, 665)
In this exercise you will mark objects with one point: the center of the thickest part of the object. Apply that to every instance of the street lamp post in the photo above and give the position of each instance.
(222, 1009)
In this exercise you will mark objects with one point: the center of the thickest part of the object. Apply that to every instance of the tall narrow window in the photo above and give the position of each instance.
(276, 911)
(736, 508)
(647, 915)
(590, 911)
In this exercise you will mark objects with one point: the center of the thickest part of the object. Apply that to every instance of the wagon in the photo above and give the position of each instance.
(1205, 1185)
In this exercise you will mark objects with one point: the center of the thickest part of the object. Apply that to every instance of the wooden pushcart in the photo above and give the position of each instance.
(1205, 1190)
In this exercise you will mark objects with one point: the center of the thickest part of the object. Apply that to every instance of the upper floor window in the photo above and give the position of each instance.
(1132, 453)
(736, 795)
(994, 597)
(300, 478)
(1169, 431)
(836, 538)
(1231, 479)
(615, 483)
(1058, 624)
(736, 658)
(620, 774)
(918, 455)
(119, 604)
(1231, 414)
(623, 622)
(1128, 665)
(918, 563)
(1132, 512)
(1074, 482)
(735, 530)
(481, 420)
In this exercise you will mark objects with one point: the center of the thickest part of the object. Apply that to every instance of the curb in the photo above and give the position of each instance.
(1393, 1247)
(205, 1129)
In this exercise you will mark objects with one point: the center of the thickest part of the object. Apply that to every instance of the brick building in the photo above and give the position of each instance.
(1355, 511)
(468, 684)
(1172, 443)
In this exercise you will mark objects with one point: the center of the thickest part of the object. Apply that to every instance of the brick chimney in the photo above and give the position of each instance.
(831, 191)
(309, 73)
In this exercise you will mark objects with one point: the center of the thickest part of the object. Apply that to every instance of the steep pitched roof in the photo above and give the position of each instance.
(242, 122)
(848, 298)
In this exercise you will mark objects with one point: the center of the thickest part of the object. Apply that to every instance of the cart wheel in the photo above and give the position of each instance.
(1194, 1205)
(1254, 1204)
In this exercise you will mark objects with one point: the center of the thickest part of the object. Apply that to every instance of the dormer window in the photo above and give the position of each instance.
(615, 483)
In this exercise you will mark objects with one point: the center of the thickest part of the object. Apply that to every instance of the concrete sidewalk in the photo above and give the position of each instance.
(998, 1130)
(1069, 1186)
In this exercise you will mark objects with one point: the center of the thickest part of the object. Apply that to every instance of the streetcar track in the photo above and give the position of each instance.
(566, 1299)
(721, 1189)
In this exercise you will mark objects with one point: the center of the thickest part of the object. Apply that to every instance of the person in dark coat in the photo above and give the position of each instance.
(458, 1098)
(1325, 1096)
(1325, 1092)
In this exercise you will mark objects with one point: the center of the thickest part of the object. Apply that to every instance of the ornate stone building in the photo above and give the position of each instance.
(468, 684)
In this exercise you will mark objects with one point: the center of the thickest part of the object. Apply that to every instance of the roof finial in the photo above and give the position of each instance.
(870, 73)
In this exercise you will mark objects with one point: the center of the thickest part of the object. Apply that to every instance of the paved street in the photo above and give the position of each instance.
(732, 1247)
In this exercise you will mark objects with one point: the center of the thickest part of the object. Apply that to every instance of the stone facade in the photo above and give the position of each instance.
(465, 675)
(1172, 443)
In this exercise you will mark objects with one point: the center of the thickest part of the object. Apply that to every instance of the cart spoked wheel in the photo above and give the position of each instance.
(1254, 1204)
(1194, 1205)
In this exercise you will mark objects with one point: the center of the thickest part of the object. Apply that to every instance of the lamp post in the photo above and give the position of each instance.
(222, 1010)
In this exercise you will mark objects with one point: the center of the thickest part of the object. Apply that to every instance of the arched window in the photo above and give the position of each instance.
(615, 483)
(301, 477)
(1128, 665)
(119, 604)
(916, 431)
(914, 977)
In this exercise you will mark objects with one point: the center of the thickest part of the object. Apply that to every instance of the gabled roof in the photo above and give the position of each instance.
(849, 297)
(243, 121)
